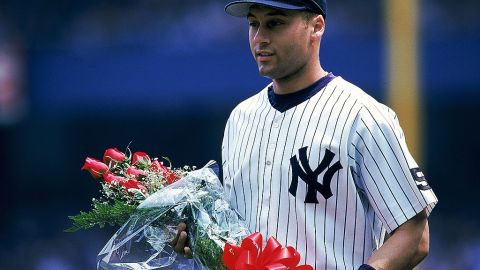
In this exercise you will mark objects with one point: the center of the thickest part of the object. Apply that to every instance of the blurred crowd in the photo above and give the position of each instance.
(80, 76)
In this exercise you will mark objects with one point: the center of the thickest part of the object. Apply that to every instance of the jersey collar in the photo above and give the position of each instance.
(283, 103)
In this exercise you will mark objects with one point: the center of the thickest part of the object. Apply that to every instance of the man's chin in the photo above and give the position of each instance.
(266, 73)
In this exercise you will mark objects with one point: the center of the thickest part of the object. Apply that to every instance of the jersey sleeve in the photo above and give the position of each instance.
(386, 172)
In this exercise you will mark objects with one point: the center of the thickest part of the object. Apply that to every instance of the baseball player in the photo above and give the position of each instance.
(316, 162)
(313, 160)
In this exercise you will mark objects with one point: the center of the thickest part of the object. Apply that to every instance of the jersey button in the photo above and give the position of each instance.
(269, 163)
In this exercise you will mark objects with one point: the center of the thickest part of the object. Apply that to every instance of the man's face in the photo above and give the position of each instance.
(279, 41)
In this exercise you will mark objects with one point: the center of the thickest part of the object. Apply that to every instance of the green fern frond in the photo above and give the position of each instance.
(102, 213)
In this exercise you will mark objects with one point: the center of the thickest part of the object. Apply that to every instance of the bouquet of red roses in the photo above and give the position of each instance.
(214, 228)
(127, 180)
(149, 200)
(143, 242)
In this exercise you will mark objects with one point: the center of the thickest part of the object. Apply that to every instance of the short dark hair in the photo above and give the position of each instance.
(307, 15)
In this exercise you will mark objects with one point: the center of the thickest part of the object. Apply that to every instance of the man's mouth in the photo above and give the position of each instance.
(264, 55)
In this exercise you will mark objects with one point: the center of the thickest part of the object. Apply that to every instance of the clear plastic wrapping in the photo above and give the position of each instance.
(143, 242)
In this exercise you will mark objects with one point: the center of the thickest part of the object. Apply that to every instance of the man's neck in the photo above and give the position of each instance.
(294, 84)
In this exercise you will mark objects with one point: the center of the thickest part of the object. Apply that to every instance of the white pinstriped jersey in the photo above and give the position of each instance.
(328, 176)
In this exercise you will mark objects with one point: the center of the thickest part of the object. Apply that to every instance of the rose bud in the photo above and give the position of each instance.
(132, 171)
(157, 166)
(113, 155)
(166, 172)
(95, 167)
(111, 178)
(134, 184)
(172, 177)
(140, 157)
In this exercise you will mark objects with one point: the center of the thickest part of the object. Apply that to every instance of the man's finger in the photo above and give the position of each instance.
(182, 240)
(181, 227)
(188, 252)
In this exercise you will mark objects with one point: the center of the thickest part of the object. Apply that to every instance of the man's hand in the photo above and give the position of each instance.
(180, 241)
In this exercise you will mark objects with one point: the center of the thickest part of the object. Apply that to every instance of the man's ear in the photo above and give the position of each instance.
(318, 27)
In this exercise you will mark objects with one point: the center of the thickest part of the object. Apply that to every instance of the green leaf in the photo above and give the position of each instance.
(101, 214)
(169, 162)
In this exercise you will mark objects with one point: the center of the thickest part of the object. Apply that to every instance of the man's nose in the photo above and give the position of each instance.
(261, 36)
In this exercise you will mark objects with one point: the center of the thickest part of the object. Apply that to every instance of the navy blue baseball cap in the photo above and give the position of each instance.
(241, 8)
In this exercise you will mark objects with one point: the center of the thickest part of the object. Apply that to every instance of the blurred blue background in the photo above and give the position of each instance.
(80, 76)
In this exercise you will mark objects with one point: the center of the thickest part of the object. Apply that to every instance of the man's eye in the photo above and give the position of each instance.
(274, 23)
(253, 24)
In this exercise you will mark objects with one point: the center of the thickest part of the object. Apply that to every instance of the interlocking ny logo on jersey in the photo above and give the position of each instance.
(310, 176)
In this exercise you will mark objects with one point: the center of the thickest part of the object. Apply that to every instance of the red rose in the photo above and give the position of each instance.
(157, 166)
(167, 173)
(111, 178)
(113, 155)
(171, 177)
(95, 167)
(134, 184)
(140, 157)
(132, 171)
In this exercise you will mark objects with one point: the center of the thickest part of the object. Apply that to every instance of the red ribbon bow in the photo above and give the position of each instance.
(250, 256)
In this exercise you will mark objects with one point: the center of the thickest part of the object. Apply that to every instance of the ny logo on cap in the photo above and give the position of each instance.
(310, 176)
